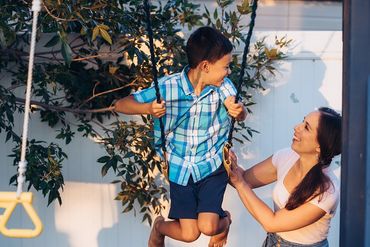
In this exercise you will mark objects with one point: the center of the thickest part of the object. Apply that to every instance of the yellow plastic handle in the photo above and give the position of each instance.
(9, 201)
(225, 157)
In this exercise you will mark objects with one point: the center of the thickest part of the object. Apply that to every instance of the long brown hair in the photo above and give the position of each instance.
(316, 182)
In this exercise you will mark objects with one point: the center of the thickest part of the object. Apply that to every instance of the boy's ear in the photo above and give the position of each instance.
(204, 66)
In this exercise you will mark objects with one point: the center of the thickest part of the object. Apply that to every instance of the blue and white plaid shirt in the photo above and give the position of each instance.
(196, 127)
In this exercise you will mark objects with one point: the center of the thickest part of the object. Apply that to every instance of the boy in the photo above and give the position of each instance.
(196, 105)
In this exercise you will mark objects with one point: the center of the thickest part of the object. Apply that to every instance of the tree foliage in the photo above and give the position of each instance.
(91, 53)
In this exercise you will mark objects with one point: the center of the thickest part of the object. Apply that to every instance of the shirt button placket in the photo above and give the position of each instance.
(193, 126)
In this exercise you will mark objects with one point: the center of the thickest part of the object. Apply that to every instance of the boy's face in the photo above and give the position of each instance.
(216, 72)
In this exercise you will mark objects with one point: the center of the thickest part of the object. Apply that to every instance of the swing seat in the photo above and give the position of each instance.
(225, 157)
(8, 201)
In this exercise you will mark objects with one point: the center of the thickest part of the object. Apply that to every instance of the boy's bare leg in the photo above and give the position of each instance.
(185, 230)
(218, 230)
(156, 239)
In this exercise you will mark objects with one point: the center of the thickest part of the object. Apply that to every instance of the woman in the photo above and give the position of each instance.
(306, 194)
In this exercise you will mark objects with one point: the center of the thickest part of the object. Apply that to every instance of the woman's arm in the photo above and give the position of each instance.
(282, 220)
(260, 174)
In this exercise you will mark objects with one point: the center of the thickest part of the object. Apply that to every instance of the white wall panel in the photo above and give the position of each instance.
(293, 15)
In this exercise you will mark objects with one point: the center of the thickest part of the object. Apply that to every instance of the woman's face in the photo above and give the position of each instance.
(305, 135)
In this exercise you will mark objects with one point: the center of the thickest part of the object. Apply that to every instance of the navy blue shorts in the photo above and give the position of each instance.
(204, 196)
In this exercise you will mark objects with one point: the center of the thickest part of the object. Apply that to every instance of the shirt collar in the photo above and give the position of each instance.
(185, 82)
(188, 87)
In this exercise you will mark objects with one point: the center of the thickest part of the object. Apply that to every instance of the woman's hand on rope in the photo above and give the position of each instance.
(236, 172)
(157, 110)
(236, 110)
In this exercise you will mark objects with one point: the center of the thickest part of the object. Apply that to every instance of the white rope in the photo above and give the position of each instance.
(22, 166)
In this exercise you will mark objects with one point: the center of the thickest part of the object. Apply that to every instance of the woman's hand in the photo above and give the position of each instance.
(236, 172)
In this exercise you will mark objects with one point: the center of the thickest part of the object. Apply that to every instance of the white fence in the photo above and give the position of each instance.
(309, 78)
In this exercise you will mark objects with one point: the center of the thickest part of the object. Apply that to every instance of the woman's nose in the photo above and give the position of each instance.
(297, 127)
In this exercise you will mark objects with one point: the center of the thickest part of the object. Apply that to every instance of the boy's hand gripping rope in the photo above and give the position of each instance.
(155, 79)
(228, 144)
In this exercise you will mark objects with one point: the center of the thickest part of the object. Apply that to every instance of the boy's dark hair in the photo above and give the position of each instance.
(207, 43)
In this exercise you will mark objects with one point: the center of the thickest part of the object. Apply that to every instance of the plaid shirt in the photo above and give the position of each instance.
(196, 127)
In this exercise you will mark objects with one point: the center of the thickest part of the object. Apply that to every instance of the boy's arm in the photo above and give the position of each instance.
(237, 110)
(130, 106)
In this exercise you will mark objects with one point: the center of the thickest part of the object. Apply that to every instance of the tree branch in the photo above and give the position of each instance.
(56, 17)
(106, 92)
(66, 109)
(24, 53)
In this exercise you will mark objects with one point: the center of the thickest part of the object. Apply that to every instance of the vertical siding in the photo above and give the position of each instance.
(293, 15)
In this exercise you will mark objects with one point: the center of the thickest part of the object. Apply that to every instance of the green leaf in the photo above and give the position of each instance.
(103, 27)
(104, 170)
(245, 137)
(128, 208)
(218, 24)
(238, 140)
(244, 9)
(149, 218)
(215, 14)
(8, 136)
(105, 35)
(2, 37)
(66, 53)
(225, 3)
(53, 41)
(95, 33)
(103, 159)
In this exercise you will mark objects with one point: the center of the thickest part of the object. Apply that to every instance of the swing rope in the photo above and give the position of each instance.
(229, 144)
(155, 79)
(244, 64)
(9, 200)
(22, 165)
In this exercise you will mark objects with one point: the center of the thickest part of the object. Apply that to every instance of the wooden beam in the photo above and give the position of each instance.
(355, 217)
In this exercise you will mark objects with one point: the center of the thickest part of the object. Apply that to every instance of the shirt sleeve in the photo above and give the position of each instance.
(329, 200)
(280, 157)
(146, 95)
(227, 89)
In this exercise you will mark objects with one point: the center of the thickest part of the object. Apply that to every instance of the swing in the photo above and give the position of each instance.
(9, 200)
(228, 143)
(164, 164)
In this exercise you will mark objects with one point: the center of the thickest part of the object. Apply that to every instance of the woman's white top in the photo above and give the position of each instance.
(283, 160)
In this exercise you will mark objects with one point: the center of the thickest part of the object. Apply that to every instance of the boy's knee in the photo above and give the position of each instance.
(208, 228)
(190, 235)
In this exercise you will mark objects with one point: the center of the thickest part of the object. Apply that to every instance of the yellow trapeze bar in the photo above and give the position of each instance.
(9, 201)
